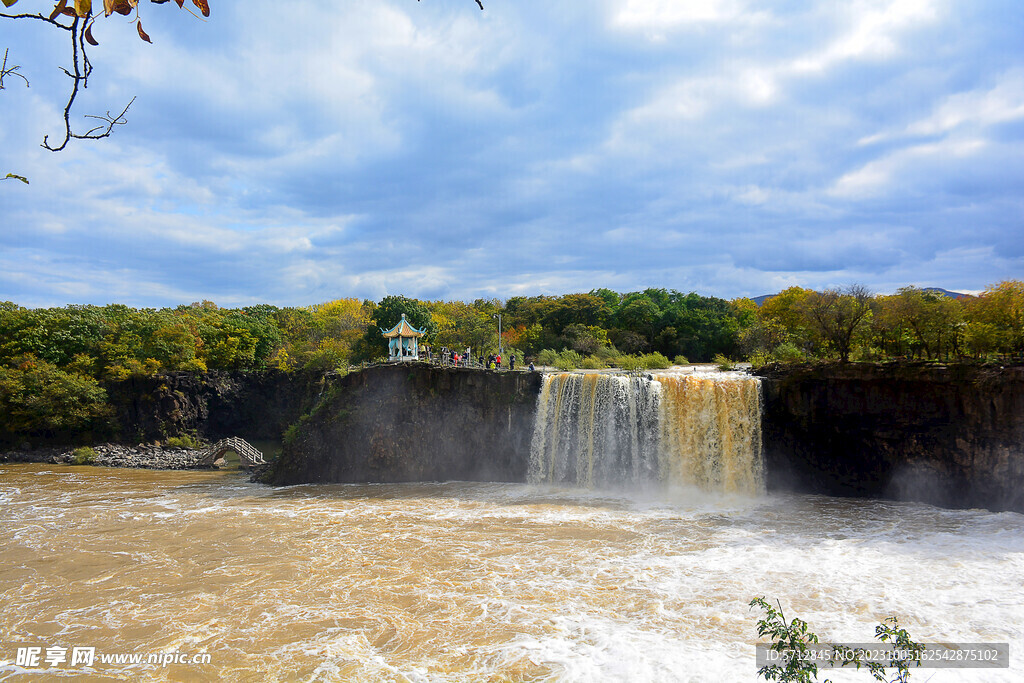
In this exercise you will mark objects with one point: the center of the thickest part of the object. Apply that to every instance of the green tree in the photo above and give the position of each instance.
(610, 298)
(576, 309)
(639, 314)
(387, 314)
(585, 339)
(39, 399)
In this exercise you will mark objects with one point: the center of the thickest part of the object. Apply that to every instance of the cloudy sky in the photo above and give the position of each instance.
(372, 147)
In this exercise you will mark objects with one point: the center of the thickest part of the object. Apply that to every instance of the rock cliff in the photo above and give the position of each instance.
(414, 422)
(950, 436)
(212, 405)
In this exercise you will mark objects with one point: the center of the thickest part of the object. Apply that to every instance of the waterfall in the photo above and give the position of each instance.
(605, 430)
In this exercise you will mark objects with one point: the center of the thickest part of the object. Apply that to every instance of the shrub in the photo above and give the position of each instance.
(83, 455)
(654, 361)
(193, 365)
(723, 363)
(788, 352)
(186, 441)
(568, 360)
(607, 354)
(631, 363)
(867, 353)
(680, 360)
(760, 359)
(592, 363)
(793, 640)
(291, 434)
(547, 357)
(506, 358)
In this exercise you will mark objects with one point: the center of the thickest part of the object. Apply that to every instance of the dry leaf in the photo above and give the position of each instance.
(58, 8)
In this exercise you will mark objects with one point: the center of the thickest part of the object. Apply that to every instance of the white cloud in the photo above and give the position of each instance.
(1002, 103)
(874, 30)
(901, 168)
(656, 19)
(275, 154)
(652, 14)
(743, 79)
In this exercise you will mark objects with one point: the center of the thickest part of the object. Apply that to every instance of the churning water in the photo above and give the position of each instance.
(478, 582)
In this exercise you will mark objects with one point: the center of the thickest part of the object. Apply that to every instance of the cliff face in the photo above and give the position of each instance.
(949, 436)
(414, 422)
(213, 405)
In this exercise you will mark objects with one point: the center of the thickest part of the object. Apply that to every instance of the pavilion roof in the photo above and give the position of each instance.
(403, 329)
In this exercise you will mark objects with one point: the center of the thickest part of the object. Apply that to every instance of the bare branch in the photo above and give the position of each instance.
(40, 17)
(109, 119)
(10, 71)
(79, 72)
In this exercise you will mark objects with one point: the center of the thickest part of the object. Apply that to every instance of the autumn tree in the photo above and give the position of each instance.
(460, 324)
(996, 317)
(38, 398)
(919, 320)
(838, 315)
(787, 310)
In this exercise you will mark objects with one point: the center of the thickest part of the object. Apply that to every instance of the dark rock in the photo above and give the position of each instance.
(415, 422)
(946, 435)
(214, 405)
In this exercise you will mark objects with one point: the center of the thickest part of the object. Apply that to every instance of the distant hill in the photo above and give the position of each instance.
(954, 295)
(938, 290)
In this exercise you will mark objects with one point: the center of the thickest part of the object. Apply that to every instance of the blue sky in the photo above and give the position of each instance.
(365, 148)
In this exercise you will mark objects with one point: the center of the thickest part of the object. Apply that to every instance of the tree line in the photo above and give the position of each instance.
(53, 361)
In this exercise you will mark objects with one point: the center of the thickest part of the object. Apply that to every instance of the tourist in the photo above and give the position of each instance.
(512, 362)
(531, 366)
(498, 361)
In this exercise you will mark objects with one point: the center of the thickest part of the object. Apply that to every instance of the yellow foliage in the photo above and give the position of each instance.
(341, 315)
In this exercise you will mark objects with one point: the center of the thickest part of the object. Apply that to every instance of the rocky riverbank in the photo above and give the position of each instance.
(144, 456)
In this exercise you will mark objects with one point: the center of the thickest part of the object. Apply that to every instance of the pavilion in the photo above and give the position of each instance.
(403, 341)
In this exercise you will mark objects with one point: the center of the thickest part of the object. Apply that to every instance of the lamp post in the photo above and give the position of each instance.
(498, 316)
